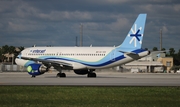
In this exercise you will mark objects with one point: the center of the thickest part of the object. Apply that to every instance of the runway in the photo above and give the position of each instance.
(102, 79)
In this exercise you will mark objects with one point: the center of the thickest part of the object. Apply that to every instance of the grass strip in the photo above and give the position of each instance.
(56, 96)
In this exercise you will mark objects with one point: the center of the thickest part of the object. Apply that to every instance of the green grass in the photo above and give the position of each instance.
(61, 96)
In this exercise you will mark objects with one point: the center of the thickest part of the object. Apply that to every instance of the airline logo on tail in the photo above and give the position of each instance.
(134, 38)
(135, 35)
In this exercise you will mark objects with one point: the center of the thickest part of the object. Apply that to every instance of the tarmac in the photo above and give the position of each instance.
(102, 79)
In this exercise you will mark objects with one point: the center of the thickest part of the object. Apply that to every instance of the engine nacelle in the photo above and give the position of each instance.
(81, 71)
(36, 69)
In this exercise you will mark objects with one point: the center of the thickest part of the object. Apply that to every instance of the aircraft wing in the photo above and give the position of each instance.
(48, 63)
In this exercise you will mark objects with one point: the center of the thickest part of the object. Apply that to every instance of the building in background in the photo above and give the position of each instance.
(155, 62)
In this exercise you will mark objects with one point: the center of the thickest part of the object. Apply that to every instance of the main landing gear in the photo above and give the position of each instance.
(61, 75)
(91, 73)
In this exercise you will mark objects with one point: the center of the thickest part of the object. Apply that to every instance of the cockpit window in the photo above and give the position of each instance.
(20, 54)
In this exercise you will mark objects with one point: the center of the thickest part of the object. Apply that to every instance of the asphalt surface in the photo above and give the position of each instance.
(102, 79)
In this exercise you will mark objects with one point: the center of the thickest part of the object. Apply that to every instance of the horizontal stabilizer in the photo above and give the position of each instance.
(126, 52)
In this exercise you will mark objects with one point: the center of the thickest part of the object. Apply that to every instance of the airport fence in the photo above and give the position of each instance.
(12, 68)
(17, 68)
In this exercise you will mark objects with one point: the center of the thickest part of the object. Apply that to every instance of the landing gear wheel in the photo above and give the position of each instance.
(33, 76)
(91, 75)
(94, 74)
(61, 75)
(58, 75)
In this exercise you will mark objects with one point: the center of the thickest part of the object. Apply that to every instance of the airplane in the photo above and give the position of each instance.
(85, 60)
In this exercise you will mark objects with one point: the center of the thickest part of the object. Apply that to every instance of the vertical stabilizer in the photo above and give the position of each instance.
(135, 36)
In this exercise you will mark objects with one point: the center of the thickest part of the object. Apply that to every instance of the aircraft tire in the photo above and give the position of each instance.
(33, 76)
(91, 75)
(61, 75)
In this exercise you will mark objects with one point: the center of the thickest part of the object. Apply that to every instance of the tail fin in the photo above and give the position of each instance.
(135, 36)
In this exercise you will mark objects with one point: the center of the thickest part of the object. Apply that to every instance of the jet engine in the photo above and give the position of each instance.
(36, 69)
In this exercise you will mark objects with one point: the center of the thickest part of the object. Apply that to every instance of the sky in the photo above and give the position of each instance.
(105, 22)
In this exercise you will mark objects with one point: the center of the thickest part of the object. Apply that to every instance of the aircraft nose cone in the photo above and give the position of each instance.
(16, 60)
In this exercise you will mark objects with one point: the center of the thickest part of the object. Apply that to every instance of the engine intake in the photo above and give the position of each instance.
(36, 69)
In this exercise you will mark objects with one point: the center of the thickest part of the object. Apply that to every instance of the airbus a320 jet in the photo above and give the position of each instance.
(85, 60)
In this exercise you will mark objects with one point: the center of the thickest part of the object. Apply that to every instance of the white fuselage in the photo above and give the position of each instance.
(79, 57)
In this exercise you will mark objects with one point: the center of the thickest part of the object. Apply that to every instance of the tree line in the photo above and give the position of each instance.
(6, 50)
(171, 52)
